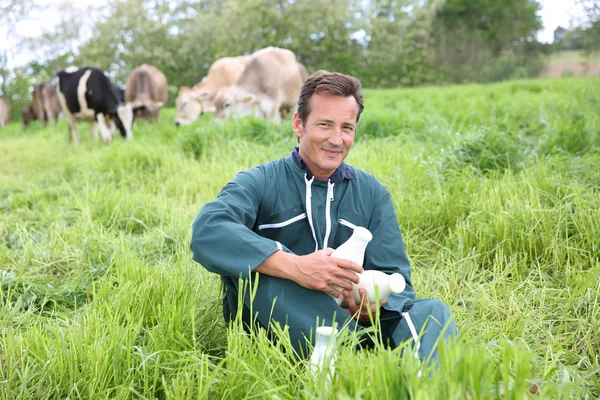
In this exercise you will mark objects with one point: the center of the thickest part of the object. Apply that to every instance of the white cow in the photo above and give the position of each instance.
(191, 103)
(270, 83)
(4, 111)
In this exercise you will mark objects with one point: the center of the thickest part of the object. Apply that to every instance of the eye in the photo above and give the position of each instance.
(227, 105)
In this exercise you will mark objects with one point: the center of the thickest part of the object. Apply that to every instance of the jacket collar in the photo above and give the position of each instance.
(342, 172)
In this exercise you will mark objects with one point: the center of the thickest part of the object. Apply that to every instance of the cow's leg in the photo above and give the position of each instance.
(270, 109)
(41, 113)
(73, 132)
(112, 128)
(51, 117)
(48, 110)
(94, 130)
(104, 132)
(274, 114)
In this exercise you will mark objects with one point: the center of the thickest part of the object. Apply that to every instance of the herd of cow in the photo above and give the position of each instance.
(265, 84)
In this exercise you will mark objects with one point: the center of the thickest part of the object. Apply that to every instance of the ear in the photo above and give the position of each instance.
(199, 96)
(297, 125)
(140, 110)
(248, 98)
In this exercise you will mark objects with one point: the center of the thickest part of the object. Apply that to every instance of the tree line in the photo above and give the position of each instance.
(386, 43)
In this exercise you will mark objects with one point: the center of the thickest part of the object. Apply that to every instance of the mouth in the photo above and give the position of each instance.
(332, 153)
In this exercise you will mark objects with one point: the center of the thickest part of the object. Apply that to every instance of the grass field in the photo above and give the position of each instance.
(572, 56)
(497, 192)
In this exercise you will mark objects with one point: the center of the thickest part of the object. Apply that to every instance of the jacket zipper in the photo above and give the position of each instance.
(309, 208)
(328, 212)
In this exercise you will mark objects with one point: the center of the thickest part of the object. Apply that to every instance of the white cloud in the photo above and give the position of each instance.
(557, 13)
(44, 15)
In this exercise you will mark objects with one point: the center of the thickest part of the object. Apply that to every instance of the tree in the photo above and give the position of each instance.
(472, 35)
(559, 36)
(399, 39)
(11, 11)
(590, 25)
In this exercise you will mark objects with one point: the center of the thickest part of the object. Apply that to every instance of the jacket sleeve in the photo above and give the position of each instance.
(386, 251)
(222, 238)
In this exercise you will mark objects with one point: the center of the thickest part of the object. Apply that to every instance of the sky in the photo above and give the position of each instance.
(554, 13)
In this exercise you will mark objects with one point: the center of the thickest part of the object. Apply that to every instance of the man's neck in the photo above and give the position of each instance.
(341, 173)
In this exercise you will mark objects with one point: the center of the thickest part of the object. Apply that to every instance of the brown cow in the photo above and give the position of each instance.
(191, 103)
(270, 82)
(45, 103)
(28, 114)
(4, 111)
(146, 91)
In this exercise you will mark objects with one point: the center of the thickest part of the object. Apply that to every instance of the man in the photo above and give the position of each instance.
(279, 222)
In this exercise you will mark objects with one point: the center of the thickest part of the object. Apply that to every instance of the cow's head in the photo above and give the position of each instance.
(122, 115)
(28, 114)
(146, 110)
(188, 107)
(230, 102)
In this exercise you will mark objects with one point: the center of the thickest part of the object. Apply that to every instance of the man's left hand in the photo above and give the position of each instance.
(361, 313)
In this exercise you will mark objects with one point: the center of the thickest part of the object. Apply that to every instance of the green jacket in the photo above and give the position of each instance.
(280, 206)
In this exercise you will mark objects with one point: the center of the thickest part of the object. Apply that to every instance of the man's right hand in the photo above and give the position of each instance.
(317, 271)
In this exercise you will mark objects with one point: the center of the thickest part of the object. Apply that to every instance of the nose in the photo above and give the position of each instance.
(177, 124)
(336, 137)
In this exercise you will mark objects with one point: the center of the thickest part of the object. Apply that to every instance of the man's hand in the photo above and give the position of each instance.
(361, 313)
(317, 271)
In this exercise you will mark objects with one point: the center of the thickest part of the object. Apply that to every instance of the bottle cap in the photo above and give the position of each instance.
(326, 330)
(397, 283)
(363, 233)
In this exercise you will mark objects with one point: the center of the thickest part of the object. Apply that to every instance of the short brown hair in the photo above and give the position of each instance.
(332, 83)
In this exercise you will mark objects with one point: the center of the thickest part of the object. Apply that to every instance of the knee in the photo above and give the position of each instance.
(438, 307)
(441, 314)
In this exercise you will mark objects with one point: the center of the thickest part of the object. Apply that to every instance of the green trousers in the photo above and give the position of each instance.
(421, 321)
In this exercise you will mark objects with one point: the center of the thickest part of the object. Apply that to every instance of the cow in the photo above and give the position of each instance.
(146, 91)
(45, 103)
(191, 103)
(270, 82)
(28, 114)
(4, 111)
(87, 94)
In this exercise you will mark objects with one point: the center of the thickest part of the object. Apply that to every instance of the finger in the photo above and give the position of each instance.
(364, 299)
(328, 251)
(344, 284)
(350, 301)
(332, 291)
(348, 275)
(347, 264)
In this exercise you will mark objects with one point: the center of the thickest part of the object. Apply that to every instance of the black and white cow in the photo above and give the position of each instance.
(87, 94)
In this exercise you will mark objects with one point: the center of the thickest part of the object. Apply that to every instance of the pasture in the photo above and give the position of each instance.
(497, 192)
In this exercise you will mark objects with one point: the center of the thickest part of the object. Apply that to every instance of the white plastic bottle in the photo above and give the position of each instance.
(385, 284)
(353, 249)
(322, 359)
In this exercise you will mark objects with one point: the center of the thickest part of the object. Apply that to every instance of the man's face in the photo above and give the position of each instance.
(328, 133)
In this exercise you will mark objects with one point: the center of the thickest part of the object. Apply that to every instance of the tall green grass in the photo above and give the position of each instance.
(497, 192)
